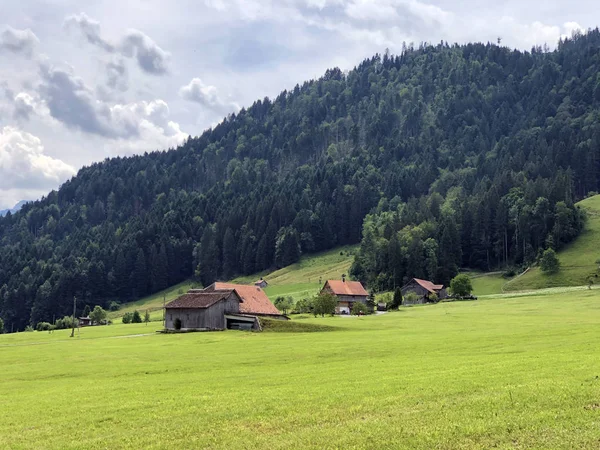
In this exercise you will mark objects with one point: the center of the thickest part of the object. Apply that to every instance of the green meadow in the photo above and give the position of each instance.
(509, 372)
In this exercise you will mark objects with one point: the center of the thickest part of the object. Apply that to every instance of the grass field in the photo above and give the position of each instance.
(578, 259)
(513, 372)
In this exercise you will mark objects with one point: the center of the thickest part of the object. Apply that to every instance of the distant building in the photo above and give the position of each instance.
(218, 307)
(84, 321)
(423, 289)
(261, 283)
(347, 293)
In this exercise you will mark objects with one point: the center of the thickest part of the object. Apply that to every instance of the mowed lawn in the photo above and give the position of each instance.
(505, 373)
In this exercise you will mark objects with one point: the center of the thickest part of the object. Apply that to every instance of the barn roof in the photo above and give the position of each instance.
(254, 299)
(340, 287)
(433, 288)
(193, 300)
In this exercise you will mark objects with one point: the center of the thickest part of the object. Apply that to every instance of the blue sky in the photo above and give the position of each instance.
(84, 80)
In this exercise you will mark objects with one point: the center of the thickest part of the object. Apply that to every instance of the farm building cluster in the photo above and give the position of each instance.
(223, 306)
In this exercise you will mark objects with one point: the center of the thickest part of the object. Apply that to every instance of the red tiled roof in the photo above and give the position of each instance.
(198, 299)
(254, 299)
(429, 285)
(339, 287)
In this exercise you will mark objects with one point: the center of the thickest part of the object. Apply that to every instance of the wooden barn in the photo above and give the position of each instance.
(206, 311)
(423, 289)
(347, 293)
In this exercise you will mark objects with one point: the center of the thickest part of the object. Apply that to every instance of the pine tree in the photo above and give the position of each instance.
(140, 276)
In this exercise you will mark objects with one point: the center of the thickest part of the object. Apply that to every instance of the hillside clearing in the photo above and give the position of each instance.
(513, 372)
(578, 259)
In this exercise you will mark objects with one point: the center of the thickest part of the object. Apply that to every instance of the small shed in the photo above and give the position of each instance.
(84, 321)
(261, 283)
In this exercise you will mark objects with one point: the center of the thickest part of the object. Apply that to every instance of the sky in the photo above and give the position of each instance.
(83, 80)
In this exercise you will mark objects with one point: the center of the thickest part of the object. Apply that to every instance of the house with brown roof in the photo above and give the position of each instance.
(347, 293)
(254, 300)
(423, 289)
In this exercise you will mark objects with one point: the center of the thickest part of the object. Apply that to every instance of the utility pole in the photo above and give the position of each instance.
(164, 312)
(73, 326)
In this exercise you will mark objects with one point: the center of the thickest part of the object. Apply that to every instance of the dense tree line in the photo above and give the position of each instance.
(459, 125)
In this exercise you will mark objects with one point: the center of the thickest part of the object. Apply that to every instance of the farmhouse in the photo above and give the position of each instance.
(423, 289)
(261, 283)
(206, 311)
(347, 293)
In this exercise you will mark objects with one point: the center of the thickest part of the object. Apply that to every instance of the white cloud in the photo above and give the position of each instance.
(150, 57)
(206, 95)
(90, 29)
(23, 164)
(24, 106)
(18, 41)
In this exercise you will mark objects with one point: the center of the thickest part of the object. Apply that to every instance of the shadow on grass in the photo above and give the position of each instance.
(290, 326)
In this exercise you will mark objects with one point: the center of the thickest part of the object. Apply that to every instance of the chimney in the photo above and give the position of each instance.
(343, 278)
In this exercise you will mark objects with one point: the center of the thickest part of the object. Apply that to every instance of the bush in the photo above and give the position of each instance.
(549, 262)
(44, 326)
(64, 323)
(461, 285)
(359, 308)
(324, 303)
(302, 306)
(136, 318)
(284, 304)
(433, 298)
(28, 328)
(509, 273)
(411, 298)
(98, 315)
(127, 317)
(180, 291)
(114, 306)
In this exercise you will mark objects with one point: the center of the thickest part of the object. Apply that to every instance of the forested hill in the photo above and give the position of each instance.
(454, 148)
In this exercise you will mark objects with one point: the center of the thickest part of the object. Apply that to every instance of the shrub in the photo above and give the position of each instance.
(284, 304)
(397, 301)
(324, 303)
(98, 315)
(180, 291)
(433, 298)
(461, 285)
(64, 323)
(509, 273)
(302, 306)
(28, 328)
(411, 298)
(136, 318)
(359, 308)
(127, 317)
(549, 262)
(147, 316)
(44, 326)
(114, 306)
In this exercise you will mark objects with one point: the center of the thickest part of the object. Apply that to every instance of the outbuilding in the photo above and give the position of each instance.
(347, 293)
(206, 311)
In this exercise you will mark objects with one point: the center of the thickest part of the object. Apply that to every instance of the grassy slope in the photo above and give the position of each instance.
(577, 259)
(301, 280)
(510, 373)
